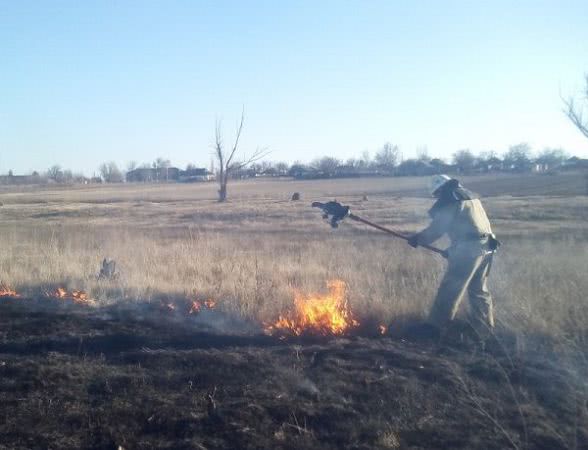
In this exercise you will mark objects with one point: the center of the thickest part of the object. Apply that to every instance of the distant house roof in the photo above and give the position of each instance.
(144, 174)
(195, 172)
(574, 161)
(22, 179)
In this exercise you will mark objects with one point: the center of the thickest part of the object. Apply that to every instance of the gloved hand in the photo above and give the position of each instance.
(413, 241)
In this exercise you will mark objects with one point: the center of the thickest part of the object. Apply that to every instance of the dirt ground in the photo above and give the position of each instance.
(135, 378)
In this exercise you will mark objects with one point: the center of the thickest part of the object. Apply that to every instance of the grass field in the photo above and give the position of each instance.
(175, 242)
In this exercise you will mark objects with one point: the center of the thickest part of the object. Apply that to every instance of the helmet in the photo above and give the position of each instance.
(437, 181)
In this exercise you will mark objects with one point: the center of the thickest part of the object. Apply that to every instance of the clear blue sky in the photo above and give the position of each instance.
(82, 82)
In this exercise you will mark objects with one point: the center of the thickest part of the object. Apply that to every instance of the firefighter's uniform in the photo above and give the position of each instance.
(469, 261)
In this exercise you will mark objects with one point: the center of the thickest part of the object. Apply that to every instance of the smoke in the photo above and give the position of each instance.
(180, 314)
(295, 383)
(219, 322)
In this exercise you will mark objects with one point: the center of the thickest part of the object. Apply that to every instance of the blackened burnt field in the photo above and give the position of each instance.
(127, 371)
(73, 377)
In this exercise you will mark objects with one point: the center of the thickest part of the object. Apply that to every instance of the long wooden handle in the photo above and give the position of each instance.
(395, 233)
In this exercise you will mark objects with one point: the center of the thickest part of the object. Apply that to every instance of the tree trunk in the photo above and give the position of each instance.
(222, 192)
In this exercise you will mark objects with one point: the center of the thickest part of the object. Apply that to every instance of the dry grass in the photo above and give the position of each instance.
(175, 240)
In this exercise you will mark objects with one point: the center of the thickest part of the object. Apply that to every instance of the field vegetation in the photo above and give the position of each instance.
(173, 242)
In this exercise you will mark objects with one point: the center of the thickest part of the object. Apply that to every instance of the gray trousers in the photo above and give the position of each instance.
(468, 269)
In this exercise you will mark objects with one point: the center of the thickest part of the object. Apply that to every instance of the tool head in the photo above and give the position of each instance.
(335, 212)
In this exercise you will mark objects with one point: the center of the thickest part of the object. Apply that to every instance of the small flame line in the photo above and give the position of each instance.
(77, 296)
(6, 291)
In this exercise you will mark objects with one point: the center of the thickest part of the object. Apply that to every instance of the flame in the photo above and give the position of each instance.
(6, 291)
(326, 314)
(77, 296)
(195, 308)
(168, 305)
(383, 329)
(196, 305)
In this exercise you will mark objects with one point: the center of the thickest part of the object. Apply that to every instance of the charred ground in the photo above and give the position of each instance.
(78, 377)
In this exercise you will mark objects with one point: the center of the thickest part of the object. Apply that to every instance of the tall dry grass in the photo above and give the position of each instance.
(253, 252)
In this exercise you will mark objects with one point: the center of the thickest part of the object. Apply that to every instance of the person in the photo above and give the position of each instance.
(462, 217)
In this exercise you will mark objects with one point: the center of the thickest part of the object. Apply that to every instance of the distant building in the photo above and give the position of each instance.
(168, 174)
(347, 171)
(575, 163)
(153, 175)
(416, 168)
(22, 179)
(141, 175)
(196, 175)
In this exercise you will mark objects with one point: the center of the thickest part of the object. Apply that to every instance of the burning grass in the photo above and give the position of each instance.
(60, 293)
(327, 314)
(187, 306)
(197, 305)
(315, 314)
(75, 296)
(6, 291)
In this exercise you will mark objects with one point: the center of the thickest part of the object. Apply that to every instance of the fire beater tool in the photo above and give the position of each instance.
(335, 212)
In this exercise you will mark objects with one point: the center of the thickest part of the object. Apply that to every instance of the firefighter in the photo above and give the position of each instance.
(463, 218)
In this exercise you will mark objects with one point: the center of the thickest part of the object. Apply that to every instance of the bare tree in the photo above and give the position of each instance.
(227, 157)
(387, 157)
(552, 157)
(464, 160)
(161, 166)
(575, 111)
(282, 167)
(518, 158)
(67, 176)
(365, 161)
(110, 172)
(327, 165)
(55, 173)
(489, 161)
(132, 165)
(161, 163)
(423, 154)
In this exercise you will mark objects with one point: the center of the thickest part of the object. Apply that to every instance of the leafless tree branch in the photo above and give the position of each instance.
(237, 137)
(257, 155)
(575, 111)
(218, 145)
(228, 163)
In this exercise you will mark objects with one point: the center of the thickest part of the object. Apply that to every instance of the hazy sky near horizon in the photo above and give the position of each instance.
(83, 82)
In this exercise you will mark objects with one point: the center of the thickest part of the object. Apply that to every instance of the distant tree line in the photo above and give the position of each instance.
(387, 161)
